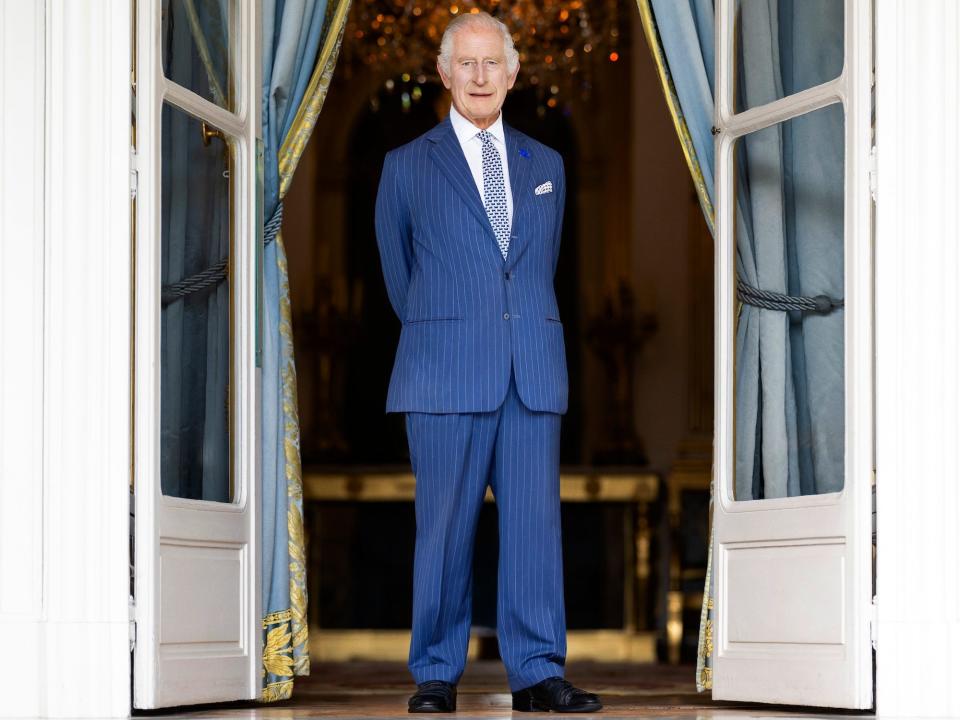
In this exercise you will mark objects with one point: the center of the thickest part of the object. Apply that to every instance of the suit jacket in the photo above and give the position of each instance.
(469, 315)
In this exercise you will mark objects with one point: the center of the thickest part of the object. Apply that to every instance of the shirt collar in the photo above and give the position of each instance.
(466, 130)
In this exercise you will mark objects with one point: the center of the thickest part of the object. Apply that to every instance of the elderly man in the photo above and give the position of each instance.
(468, 226)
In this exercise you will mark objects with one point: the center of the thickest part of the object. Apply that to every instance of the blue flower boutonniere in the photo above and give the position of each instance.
(524, 153)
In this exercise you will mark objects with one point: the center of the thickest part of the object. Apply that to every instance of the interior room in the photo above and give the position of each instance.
(635, 288)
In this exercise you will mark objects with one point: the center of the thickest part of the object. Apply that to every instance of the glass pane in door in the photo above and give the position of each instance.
(198, 48)
(785, 46)
(195, 341)
(789, 345)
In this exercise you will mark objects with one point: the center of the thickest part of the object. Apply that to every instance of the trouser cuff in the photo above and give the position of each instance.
(532, 674)
(436, 672)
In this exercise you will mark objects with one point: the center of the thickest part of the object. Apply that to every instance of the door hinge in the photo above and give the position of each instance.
(872, 172)
(134, 174)
(132, 615)
(873, 622)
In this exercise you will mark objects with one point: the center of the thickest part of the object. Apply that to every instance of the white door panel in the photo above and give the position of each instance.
(794, 580)
(780, 595)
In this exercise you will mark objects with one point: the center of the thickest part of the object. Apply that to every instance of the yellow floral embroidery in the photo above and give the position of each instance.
(277, 691)
(274, 618)
(705, 680)
(276, 652)
(296, 545)
(705, 645)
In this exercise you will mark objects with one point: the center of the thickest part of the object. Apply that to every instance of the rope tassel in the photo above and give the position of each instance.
(820, 304)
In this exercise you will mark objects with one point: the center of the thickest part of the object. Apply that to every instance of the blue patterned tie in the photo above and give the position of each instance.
(494, 192)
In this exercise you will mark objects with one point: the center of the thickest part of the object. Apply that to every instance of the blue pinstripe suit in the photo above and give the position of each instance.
(481, 374)
(466, 312)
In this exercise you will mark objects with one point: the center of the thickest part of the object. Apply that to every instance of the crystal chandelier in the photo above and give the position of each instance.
(559, 41)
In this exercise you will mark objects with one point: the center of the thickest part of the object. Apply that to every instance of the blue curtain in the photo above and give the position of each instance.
(789, 239)
(301, 41)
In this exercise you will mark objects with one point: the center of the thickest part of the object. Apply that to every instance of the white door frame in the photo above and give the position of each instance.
(65, 254)
(918, 357)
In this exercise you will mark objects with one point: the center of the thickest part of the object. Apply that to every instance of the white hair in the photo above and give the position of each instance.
(471, 21)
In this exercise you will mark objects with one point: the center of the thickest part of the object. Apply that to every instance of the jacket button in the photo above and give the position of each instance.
(508, 274)
(506, 316)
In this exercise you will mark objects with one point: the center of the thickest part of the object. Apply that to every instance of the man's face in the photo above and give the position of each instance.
(478, 79)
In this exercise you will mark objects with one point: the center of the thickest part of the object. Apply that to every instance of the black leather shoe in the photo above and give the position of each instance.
(555, 694)
(433, 696)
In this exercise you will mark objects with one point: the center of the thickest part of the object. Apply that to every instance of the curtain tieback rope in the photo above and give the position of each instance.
(215, 274)
(821, 304)
(272, 226)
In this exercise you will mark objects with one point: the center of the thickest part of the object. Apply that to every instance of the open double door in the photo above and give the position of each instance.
(793, 575)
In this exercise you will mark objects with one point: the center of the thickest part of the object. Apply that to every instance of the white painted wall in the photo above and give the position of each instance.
(64, 357)
(918, 357)
(21, 342)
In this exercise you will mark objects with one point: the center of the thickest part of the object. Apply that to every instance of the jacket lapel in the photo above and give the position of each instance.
(448, 155)
(518, 165)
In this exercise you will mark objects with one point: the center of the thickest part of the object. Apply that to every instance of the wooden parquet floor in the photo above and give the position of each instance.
(380, 690)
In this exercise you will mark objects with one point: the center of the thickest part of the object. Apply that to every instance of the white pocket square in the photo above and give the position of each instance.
(545, 188)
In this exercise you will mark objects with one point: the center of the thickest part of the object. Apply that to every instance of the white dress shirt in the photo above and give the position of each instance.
(472, 147)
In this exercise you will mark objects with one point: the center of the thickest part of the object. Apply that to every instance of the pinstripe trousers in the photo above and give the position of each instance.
(454, 456)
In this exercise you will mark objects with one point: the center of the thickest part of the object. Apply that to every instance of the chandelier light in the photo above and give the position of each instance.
(559, 41)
